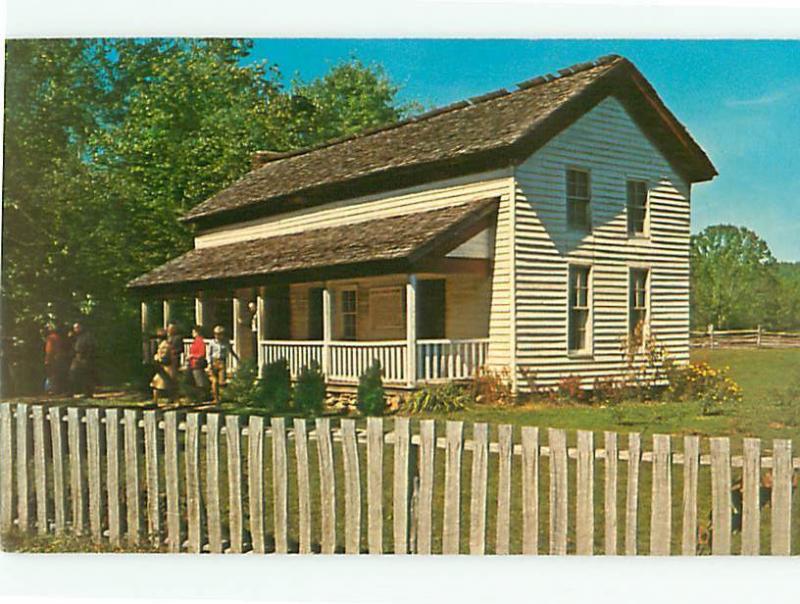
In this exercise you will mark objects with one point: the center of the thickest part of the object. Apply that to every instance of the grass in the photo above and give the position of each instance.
(16, 541)
(770, 380)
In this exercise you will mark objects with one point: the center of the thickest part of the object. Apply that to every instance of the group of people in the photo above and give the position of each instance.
(205, 368)
(70, 361)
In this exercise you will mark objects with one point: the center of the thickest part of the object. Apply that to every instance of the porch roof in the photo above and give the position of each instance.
(394, 244)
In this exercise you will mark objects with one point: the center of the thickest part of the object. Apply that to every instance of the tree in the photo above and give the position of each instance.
(733, 279)
(350, 98)
(108, 143)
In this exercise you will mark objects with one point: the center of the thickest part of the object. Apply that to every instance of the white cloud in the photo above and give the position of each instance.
(766, 99)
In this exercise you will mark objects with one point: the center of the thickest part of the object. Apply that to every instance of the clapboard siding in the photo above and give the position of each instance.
(475, 306)
(359, 209)
(608, 144)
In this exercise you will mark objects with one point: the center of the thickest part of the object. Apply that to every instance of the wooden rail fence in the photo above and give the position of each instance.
(206, 482)
(744, 338)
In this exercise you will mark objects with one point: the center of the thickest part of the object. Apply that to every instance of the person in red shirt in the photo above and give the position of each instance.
(56, 361)
(198, 362)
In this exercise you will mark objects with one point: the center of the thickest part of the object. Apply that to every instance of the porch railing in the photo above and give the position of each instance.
(350, 359)
(437, 360)
(450, 359)
(298, 353)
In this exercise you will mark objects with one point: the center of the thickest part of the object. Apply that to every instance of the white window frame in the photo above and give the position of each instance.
(341, 312)
(645, 233)
(588, 349)
(589, 218)
(648, 311)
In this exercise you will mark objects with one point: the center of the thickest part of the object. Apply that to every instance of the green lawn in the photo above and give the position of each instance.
(770, 380)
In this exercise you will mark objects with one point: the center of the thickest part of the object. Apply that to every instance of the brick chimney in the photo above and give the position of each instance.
(261, 158)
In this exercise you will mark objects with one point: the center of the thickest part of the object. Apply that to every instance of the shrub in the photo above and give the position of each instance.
(710, 387)
(241, 389)
(273, 391)
(569, 388)
(610, 390)
(309, 390)
(370, 399)
(492, 387)
(646, 363)
(438, 398)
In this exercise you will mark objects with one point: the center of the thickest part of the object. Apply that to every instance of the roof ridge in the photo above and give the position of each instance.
(456, 105)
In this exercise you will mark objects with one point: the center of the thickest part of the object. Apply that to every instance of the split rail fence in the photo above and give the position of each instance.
(207, 482)
(744, 338)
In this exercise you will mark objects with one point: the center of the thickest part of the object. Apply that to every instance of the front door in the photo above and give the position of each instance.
(278, 313)
(430, 309)
(315, 329)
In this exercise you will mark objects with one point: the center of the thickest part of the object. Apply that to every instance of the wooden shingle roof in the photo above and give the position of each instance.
(386, 244)
(487, 132)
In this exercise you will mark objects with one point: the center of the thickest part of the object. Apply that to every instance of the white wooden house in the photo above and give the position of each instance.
(526, 230)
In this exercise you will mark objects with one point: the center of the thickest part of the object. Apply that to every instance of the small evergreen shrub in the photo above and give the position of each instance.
(241, 389)
(438, 398)
(371, 397)
(309, 390)
(274, 390)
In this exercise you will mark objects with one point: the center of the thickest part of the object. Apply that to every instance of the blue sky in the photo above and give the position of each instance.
(739, 99)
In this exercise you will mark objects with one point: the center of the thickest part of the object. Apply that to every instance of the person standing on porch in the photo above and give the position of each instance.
(82, 370)
(218, 351)
(252, 308)
(197, 361)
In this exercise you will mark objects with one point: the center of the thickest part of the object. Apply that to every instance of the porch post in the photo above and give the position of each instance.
(261, 326)
(237, 326)
(327, 330)
(145, 332)
(411, 330)
(167, 313)
(199, 312)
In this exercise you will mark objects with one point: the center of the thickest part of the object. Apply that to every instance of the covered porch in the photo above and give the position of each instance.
(417, 301)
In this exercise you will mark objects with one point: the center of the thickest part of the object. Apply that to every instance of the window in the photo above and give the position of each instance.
(348, 313)
(637, 305)
(637, 208)
(578, 308)
(579, 216)
(386, 309)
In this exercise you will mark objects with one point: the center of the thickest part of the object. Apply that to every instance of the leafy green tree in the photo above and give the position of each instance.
(56, 98)
(788, 298)
(733, 279)
(350, 98)
(109, 142)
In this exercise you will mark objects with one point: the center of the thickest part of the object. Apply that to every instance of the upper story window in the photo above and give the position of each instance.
(637, 305)
(579, 214)
(348, 313)
(637, 208)
(579, 308)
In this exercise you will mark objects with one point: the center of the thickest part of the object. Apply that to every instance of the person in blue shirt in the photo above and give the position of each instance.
(218, 351)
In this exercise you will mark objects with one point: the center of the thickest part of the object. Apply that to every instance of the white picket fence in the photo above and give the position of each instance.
(206, 482)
